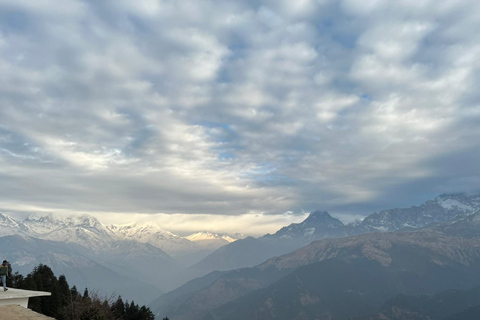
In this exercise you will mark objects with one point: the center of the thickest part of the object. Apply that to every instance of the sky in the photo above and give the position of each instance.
(236, 116)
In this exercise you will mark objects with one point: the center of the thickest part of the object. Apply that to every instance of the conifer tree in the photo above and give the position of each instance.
(74, 292)
(64, 290)
(118, 308)
(85, 294)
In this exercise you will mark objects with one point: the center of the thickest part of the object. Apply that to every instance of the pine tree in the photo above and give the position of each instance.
(146, 314)
(15, 280)
(74, 292)
(64, 290)
(118, 309)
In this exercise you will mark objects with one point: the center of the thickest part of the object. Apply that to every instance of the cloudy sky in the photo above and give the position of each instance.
(238, 115)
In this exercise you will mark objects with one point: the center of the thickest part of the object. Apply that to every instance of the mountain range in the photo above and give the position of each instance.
(251, 251)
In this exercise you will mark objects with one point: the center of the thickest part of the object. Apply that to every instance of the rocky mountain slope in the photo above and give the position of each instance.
(451, 304)
(467, 227)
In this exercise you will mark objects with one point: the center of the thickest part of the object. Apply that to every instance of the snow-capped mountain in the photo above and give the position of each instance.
(201, 236)
(154, 235)
(10, 226)
(213, 241)
(441, 209)
(84, 230)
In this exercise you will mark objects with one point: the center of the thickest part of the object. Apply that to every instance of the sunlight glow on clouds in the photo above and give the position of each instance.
(222, 109)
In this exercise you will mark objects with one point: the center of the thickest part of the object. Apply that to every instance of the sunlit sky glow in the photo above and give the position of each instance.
(236, 115)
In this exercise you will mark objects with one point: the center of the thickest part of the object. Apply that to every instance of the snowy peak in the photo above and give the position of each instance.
(10, 226)
(51, 223)
(210, 241)
(141, 231)
(6, 220)
(54, 221)
(202, 236)
(84, 230)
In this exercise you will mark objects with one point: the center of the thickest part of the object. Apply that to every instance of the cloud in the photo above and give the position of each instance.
(236, 107)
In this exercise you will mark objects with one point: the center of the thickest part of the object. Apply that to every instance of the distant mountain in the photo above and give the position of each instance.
(442, 209)
(141, 261)
(213, 241)
(182, 249)
(84, 230)
(154, 235)
(337, 278)
(10, 226)
(320, 225)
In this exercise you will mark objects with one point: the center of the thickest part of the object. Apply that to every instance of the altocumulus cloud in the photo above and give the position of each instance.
(237, 107)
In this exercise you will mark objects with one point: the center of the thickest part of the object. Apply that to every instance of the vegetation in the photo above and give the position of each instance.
(67, 303)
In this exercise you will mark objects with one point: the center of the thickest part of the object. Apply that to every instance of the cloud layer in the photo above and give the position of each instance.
(237, 107)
